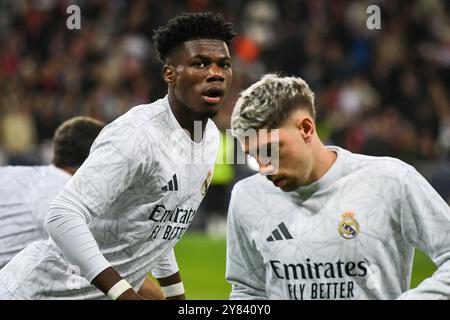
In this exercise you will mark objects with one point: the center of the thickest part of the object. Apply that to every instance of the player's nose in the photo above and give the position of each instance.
(215, 73)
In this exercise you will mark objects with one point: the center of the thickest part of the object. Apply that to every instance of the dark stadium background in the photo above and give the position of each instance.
(379, 92)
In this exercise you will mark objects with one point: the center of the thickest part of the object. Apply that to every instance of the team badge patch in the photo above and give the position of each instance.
(348, 226)
(206, 183)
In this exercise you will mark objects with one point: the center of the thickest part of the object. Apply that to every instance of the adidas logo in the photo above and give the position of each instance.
(172, 185)
(279, 232)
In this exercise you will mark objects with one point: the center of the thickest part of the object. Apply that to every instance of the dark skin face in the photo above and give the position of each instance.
(198, 73)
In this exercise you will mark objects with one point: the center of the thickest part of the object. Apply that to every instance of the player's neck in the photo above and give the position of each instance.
(187, 119)
(323, 160)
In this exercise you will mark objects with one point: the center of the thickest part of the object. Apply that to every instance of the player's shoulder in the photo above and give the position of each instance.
(32, 177)
(141, 115)
(380, 165)
(134, 125)
(53, 175)
(12, 177)
(23, 172)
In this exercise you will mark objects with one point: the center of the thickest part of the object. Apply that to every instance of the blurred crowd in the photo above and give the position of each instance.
(381, 92)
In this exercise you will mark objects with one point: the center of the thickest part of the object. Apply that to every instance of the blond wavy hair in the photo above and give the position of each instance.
(269, 102)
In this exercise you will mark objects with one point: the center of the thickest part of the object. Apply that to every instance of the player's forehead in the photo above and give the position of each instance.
(215, 48)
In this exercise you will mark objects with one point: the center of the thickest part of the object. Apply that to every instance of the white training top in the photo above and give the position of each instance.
(25, 196)
(349, 235)
(138, 191)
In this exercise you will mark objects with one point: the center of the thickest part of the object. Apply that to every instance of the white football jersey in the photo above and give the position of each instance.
(26, 193)
(349, 235)
(138, 190)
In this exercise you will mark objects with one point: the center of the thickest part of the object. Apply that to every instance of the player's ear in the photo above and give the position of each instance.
(169, 75)
(306, 127)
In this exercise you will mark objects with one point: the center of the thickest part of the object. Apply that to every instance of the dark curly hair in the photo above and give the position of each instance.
(192, 25)
(73, 139)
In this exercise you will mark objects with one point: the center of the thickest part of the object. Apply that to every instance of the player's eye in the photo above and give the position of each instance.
(225, 65)
(198, 64)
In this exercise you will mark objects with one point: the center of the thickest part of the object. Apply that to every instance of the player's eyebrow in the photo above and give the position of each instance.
(207, 57)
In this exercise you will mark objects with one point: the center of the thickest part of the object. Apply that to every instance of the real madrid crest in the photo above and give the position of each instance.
(206, 183)
(348, 226)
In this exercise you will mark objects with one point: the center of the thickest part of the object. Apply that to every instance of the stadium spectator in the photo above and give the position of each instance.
(320, 222)
(109, 65)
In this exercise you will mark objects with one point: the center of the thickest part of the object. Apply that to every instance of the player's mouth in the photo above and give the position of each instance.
(213, 95)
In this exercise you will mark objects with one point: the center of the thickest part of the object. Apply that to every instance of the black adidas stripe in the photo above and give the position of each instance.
(284, 231)
(277, 234)
(175, 182)
(172, 185)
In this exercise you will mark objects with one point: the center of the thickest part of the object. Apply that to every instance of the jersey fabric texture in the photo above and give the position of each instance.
(138, 191)
(349, 235)
(26, 193)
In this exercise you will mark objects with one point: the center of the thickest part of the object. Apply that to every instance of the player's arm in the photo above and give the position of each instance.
(106, 174)
(150, 290)
(112, 284)
(173, 287)
(425, 223)
(69, 230)
(167, 286)
(167, 273)
(245, 269)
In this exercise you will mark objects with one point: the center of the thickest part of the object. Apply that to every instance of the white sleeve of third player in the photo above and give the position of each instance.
(108, 172)
(245, 269)
(425, 219)
(165, 266)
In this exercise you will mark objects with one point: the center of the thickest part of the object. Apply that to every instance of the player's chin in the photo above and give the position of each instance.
(209, 111)
(289, 186)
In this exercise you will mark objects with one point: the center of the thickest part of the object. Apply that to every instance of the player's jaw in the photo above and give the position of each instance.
(284, 182)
